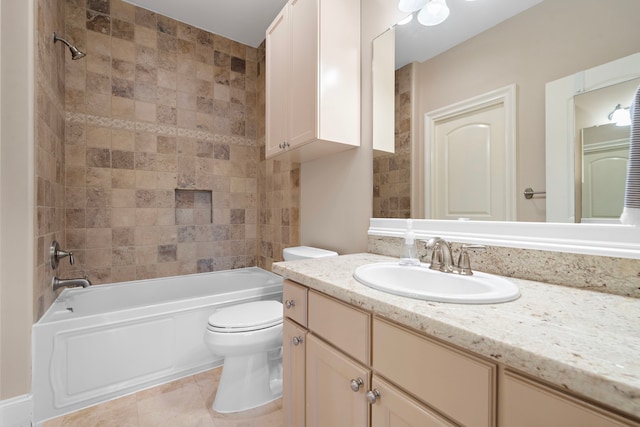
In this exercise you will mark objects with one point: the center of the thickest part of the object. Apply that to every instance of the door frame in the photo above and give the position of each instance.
(505, 96)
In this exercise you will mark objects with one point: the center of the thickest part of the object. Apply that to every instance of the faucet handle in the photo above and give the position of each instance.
(56, 255)
(464, 263)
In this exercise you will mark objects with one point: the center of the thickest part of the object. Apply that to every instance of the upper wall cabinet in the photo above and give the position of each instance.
(313, 79)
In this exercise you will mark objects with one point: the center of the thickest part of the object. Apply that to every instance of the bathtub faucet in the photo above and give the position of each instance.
(61, 283)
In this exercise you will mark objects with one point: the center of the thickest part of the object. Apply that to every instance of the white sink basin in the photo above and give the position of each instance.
(422, 283)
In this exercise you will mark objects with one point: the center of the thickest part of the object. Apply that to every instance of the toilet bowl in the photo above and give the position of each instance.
(249, 337)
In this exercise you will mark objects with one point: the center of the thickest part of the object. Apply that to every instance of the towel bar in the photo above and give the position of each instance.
(528, 193)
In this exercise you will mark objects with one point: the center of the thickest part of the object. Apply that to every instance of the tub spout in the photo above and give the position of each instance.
(61, 283)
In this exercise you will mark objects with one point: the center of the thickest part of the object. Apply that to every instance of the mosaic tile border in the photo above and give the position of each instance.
(167, 130)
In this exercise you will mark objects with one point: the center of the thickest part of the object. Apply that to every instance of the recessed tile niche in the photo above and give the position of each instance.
(193, 207)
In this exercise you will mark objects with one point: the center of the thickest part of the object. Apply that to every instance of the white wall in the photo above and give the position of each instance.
(17, 202)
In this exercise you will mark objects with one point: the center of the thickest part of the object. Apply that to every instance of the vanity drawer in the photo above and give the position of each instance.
(458, 385)
(345, 327)
(294, 301)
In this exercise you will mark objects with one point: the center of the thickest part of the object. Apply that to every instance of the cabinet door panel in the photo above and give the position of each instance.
(330, 399)
(278, 64)
(396, 409)
(524, 403)
(303, 82)
(293, 368)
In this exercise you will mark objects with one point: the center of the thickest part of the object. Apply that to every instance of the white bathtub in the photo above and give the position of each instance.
(105, 341)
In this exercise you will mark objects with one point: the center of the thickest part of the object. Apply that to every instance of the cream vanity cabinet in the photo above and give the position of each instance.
(337, 385)
(313, 79)
(344, 366)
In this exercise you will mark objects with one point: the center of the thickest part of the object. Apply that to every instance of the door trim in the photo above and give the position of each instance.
(505, 96)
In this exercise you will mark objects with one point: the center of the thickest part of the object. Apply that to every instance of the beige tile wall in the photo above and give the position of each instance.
(392, 172)
(155, 106)
(49, 145)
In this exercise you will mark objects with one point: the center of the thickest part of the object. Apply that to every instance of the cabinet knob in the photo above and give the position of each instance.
(373, 396)
(289, 303)
(356, 384)
(297, 340)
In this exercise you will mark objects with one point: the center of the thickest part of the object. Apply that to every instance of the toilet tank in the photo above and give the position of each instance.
(304, 252)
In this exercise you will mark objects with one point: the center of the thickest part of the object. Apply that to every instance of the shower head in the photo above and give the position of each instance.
(75, 52)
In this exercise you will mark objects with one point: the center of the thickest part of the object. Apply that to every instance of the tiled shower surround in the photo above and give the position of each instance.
(163, 166)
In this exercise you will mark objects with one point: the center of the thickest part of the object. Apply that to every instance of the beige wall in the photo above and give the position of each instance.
(16, 195)
(546, 42)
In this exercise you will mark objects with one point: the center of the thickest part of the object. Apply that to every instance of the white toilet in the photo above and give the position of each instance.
(249, 336)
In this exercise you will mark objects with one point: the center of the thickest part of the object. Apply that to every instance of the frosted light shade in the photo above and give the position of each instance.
(434, 13)
(411, 5)
(621, 117)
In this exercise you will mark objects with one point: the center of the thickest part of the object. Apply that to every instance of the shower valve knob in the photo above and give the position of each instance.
(56, 255)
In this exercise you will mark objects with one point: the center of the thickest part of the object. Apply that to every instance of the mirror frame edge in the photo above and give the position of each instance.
(612, 240)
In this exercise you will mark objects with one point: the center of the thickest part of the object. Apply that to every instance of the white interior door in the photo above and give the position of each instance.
(605, 173)
(469, 157)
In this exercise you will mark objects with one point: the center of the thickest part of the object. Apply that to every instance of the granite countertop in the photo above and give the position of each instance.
(584, 341)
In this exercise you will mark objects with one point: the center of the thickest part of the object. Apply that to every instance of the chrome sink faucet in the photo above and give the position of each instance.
(442, 258)
(61, 283)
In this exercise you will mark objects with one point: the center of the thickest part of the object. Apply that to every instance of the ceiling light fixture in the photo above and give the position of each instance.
(411, 6)
(431, 12)
(434, 13)
(620, 116)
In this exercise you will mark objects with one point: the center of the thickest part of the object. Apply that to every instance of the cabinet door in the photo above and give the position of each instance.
(393, 408)
(293, 372)
(303, 80)
(524, 403)
(278, 65)
(330, 398)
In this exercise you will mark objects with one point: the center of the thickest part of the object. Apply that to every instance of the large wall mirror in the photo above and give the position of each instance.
(587, 141)
(545, 41)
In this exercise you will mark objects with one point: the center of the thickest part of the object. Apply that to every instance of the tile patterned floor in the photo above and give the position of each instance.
(182, 403)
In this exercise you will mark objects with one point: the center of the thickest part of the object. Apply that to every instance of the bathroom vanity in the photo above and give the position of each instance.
(355, 356)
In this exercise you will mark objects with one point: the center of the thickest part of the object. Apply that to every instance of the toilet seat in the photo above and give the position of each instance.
(246, 317)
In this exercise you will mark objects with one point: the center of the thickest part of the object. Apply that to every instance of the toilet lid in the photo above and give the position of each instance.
(246, 317)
